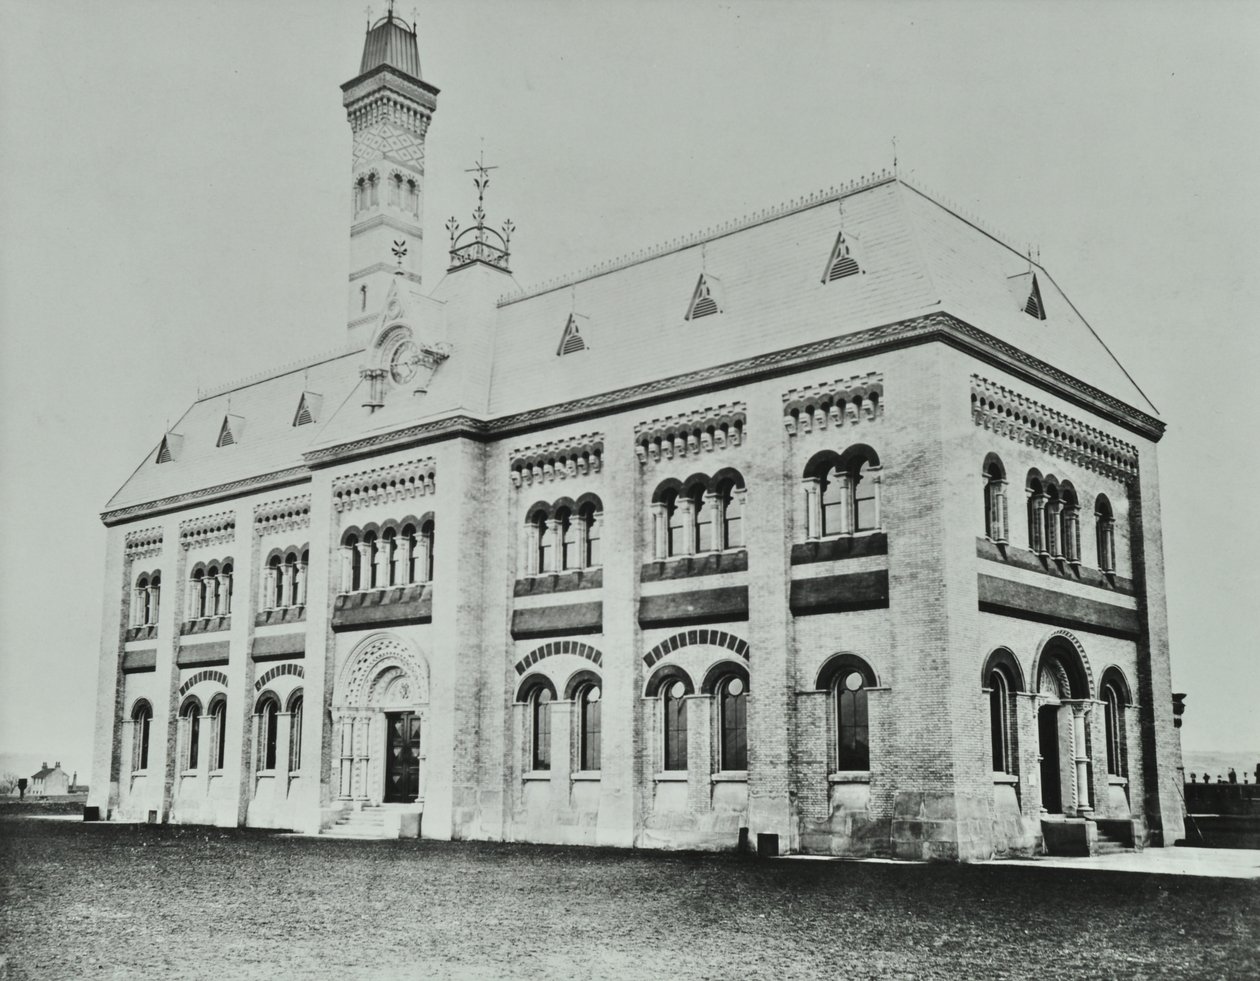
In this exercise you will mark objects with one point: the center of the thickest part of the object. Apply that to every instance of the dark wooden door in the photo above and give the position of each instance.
(402, 758)
(1048, 745)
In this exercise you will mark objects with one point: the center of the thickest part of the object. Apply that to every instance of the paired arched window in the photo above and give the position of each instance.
(295, 732)
(995, 513)
(268, 729)
(1115, 699)
(210, 590)
(563, 536)
(1105, 534)
(674, 727)
(1054, 518)
(842, 493)
(218, 732)
(142, 723)
(398, 555)
(144, 607)
(284, 582)
(190, 734)
(703, 515)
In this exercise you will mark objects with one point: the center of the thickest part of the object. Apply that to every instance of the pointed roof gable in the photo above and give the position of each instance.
(704, 302)
(841, 262)
(232, 428)
(308, 409)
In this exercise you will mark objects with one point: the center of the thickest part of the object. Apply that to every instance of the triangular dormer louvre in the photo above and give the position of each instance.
(230, 431)
(571, 341)
(1033, 306)
(841, 262)
(703, 299)
(307, 410)
(168, 449)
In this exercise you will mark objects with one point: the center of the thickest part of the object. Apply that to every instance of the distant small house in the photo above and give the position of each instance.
(49, 781)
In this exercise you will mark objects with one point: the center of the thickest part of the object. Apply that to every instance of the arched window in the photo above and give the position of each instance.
(190, 726)
(865, 501)
(268, 733)
(1036, 508)
(1070, 524)
(540, 729)
(218, 732)
(994, 500)
(225, 590)
(589, 726)
(701, 518)
(395, 190)
(295, 733)
(1001, 702)
(155, 596)
(360, 197)
(1115, 698)
(545, 547)
(196, 594)
(731, 504)
(413, 198)
(210, 603)
(373, 191)
(142, 721)
(675, 725)
(1105, 534)
(142, 612)
(275, 583)
(852, 728)
(371, 574)
(676, 530)
(390, 557)
(1052, 514)
(426, 550)
(304, 562)
(356, 562)
(732, 695)
(591, 520)
(568, 533)
(834, 490)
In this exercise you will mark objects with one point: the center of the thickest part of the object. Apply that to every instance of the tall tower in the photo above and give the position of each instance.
(389, 108)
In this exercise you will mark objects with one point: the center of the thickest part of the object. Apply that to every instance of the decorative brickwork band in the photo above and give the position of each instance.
(218, 677)
(400, 482)
(143, 543)
(703, 430)
(574, 457)
(559, 647)
(839, 403)
(208, 530)
(288, 514)
(1024, 420)
(714, 638)
(276, 672)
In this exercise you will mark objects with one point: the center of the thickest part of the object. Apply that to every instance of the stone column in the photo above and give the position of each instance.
(813, 508)
(1080, 758)
(269, 588)
(713, 504)
(365, 565)
(846, 503)
(404, 576)
(687, 514)
(660, 531)
(347, 567)
(287, 574)
(1054, 543)
(225, 595)
(382, 563)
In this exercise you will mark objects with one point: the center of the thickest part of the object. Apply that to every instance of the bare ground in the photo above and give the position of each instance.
(110, 901)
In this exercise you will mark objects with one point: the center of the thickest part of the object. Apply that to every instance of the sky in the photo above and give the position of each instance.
(175, 214)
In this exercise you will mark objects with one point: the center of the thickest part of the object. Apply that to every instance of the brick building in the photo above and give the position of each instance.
(837, 524)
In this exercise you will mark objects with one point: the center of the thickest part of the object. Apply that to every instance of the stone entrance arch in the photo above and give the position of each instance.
(1064, 683)
(384, 677)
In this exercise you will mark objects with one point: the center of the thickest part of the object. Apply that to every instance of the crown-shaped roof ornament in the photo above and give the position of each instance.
(479, 242)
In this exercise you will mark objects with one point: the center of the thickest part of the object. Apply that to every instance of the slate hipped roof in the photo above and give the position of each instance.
(916, 257)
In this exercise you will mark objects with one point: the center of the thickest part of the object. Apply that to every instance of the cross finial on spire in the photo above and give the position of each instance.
(894, 144)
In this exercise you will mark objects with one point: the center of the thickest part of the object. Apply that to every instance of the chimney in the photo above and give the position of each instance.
(57, 765)
(44, 765)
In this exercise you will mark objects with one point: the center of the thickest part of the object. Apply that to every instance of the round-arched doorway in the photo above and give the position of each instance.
(380, 716)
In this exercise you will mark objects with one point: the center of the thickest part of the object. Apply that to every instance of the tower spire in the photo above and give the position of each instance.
(389, 108)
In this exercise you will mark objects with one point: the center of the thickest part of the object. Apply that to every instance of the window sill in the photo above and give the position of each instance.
(536, 775)
(1006, 778)
(189, 773)
(849, 776)
(266, 774)
(1114, 781)
(592, 776)
(671, 776)
(730, 776)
